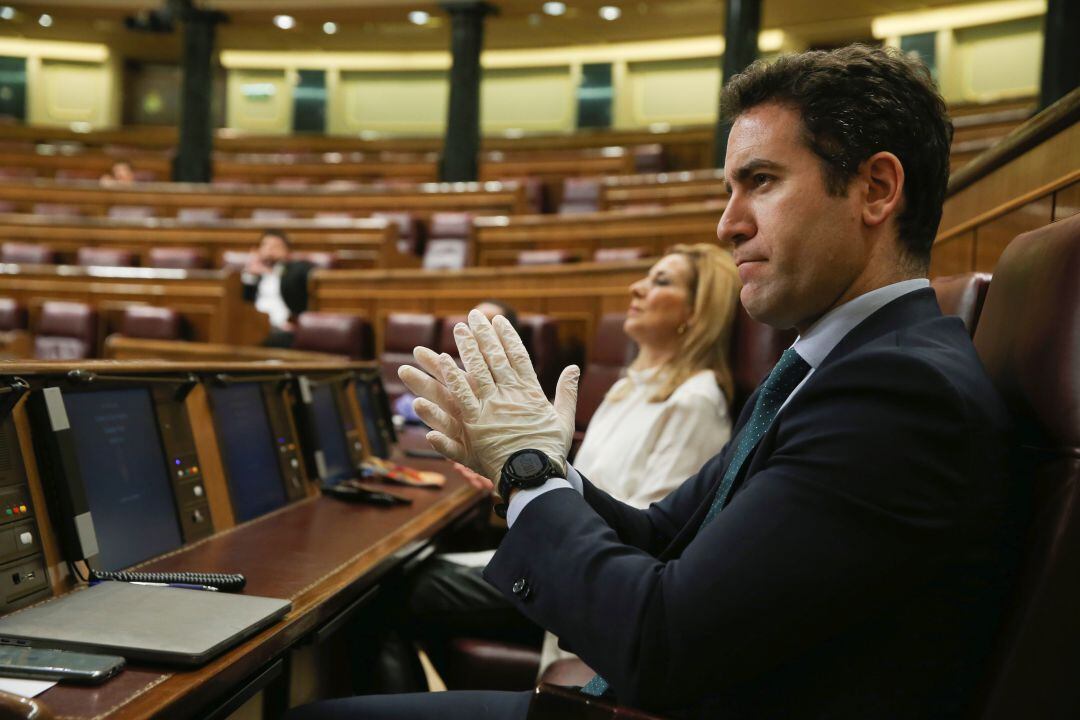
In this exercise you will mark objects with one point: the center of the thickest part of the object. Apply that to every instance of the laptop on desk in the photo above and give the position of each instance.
(161, 625)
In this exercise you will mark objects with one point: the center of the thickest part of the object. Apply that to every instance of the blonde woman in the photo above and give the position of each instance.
(669, 414)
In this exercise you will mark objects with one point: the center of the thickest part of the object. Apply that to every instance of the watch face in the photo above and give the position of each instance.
(528, 465)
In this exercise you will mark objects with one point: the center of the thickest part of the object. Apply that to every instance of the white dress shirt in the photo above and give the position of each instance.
(268, 298)
(813, 346)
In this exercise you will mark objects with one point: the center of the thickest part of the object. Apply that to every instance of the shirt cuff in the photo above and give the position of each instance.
(523, 497)
(574, 478)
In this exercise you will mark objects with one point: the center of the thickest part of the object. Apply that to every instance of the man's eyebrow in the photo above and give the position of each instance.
(750, 167)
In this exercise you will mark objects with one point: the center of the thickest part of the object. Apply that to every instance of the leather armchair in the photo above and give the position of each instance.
(404, 331)
(152, 323)
(66, 331)
(334, 333)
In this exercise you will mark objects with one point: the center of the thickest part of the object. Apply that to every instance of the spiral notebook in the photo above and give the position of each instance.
(165, 625)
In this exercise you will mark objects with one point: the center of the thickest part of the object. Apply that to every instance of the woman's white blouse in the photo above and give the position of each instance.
(639, 451)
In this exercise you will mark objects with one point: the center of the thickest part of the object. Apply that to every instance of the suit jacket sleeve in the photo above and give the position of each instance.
(871, 472)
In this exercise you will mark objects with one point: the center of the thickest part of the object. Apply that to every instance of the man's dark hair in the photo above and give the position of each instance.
(275, 232)
(856, 101)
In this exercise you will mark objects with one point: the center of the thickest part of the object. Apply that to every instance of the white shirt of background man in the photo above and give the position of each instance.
(268, 298)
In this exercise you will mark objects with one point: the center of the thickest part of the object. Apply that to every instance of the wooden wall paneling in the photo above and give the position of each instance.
(1041, 169)
(210, 461)
(16, 345)
(1067, 201)
(992, 237)
(953, 256)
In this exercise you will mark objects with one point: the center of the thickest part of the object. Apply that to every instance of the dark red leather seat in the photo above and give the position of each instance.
(57, 210)
(962, 295)
(130, 212)
(27, 253)
(580, 195)
(66, 331)
(198, 215)
(335, 333)
(404, 331)
(1028, 337)
(755, 349)
(151, 323)
(411, 236)
(620, 254)
(179, 258)
(12, 315)
(648, 158)
(109, 257)
(540, 335)
(547, 257)
(449, 241)
(612, 350)
(271, 214)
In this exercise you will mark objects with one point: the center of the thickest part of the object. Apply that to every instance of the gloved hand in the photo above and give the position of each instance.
(481, 418)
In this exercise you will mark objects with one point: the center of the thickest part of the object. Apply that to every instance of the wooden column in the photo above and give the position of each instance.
(461, 146)
(742, 24)
(193, 156)
(1061, 51)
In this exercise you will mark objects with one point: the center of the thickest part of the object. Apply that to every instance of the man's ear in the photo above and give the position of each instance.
(884, 177)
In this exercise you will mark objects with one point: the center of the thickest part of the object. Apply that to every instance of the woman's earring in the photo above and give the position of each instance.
(682, 329)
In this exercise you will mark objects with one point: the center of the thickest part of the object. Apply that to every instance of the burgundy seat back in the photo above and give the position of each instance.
(404, 331)
(612, 351)
(580, 195)
(962, 295)
(271, 214)
(547, 257)
(198, 215)
(65, 331)
(110, 257)
(57, 210)
(626, 254)
(648, 158)
(12, 315)
(1028, 338)
(151, 323)
(179, 258)
(449, 240)
(336, 333)
(540, 335)
(27, 253)
(410, 231)
(755, 349)
(131, 212)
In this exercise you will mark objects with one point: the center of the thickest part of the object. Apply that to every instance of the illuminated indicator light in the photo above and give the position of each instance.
(555, 8)
(419, 17)
(285, 22)
(45, 20)
(9, 512)
(177, 461)
(610, 12)
(195, 469)
(22, 508)
(329, 28)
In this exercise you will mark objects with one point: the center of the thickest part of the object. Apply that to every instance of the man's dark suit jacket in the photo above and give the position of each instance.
(294, 286)
(858, 570)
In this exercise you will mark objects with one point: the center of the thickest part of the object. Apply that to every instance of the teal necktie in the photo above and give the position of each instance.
(784, 378)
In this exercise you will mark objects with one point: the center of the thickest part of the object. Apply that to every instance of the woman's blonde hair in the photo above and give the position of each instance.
(705, 345)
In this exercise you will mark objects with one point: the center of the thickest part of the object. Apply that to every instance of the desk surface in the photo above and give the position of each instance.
(320, 553)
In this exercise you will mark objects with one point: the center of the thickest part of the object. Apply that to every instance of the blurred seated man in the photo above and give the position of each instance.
(119, 175)
(278, 286)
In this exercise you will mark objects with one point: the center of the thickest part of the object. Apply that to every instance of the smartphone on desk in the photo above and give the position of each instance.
(23, 661)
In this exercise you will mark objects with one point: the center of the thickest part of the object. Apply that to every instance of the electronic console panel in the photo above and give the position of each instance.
(336, 451)
(23, 579)
(120, 464)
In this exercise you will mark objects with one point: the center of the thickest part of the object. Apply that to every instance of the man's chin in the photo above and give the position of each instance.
(765, 312)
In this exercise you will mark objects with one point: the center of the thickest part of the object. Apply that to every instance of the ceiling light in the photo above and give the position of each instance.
(45, 20)
(610, 12)
(7, 12)
(285, 22)
(329, 28)
(419, 17)
(554, 8)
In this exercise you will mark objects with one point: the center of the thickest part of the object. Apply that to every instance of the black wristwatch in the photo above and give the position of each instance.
(524, 469)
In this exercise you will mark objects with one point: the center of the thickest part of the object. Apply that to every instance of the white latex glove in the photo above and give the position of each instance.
(481, 418)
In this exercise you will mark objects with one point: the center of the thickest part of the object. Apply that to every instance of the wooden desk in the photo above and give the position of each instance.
(499, 240)
(211, 301)
(320, 553)
(575, 295)
(492, 198)
(357, 244)
(663, 188)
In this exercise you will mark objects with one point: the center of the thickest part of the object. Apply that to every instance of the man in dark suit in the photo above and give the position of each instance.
(277, 285)
(847, 554)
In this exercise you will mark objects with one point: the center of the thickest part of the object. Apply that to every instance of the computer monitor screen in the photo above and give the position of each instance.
(331, 434)
(248, 448)
(124, 471)
(370, 409)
